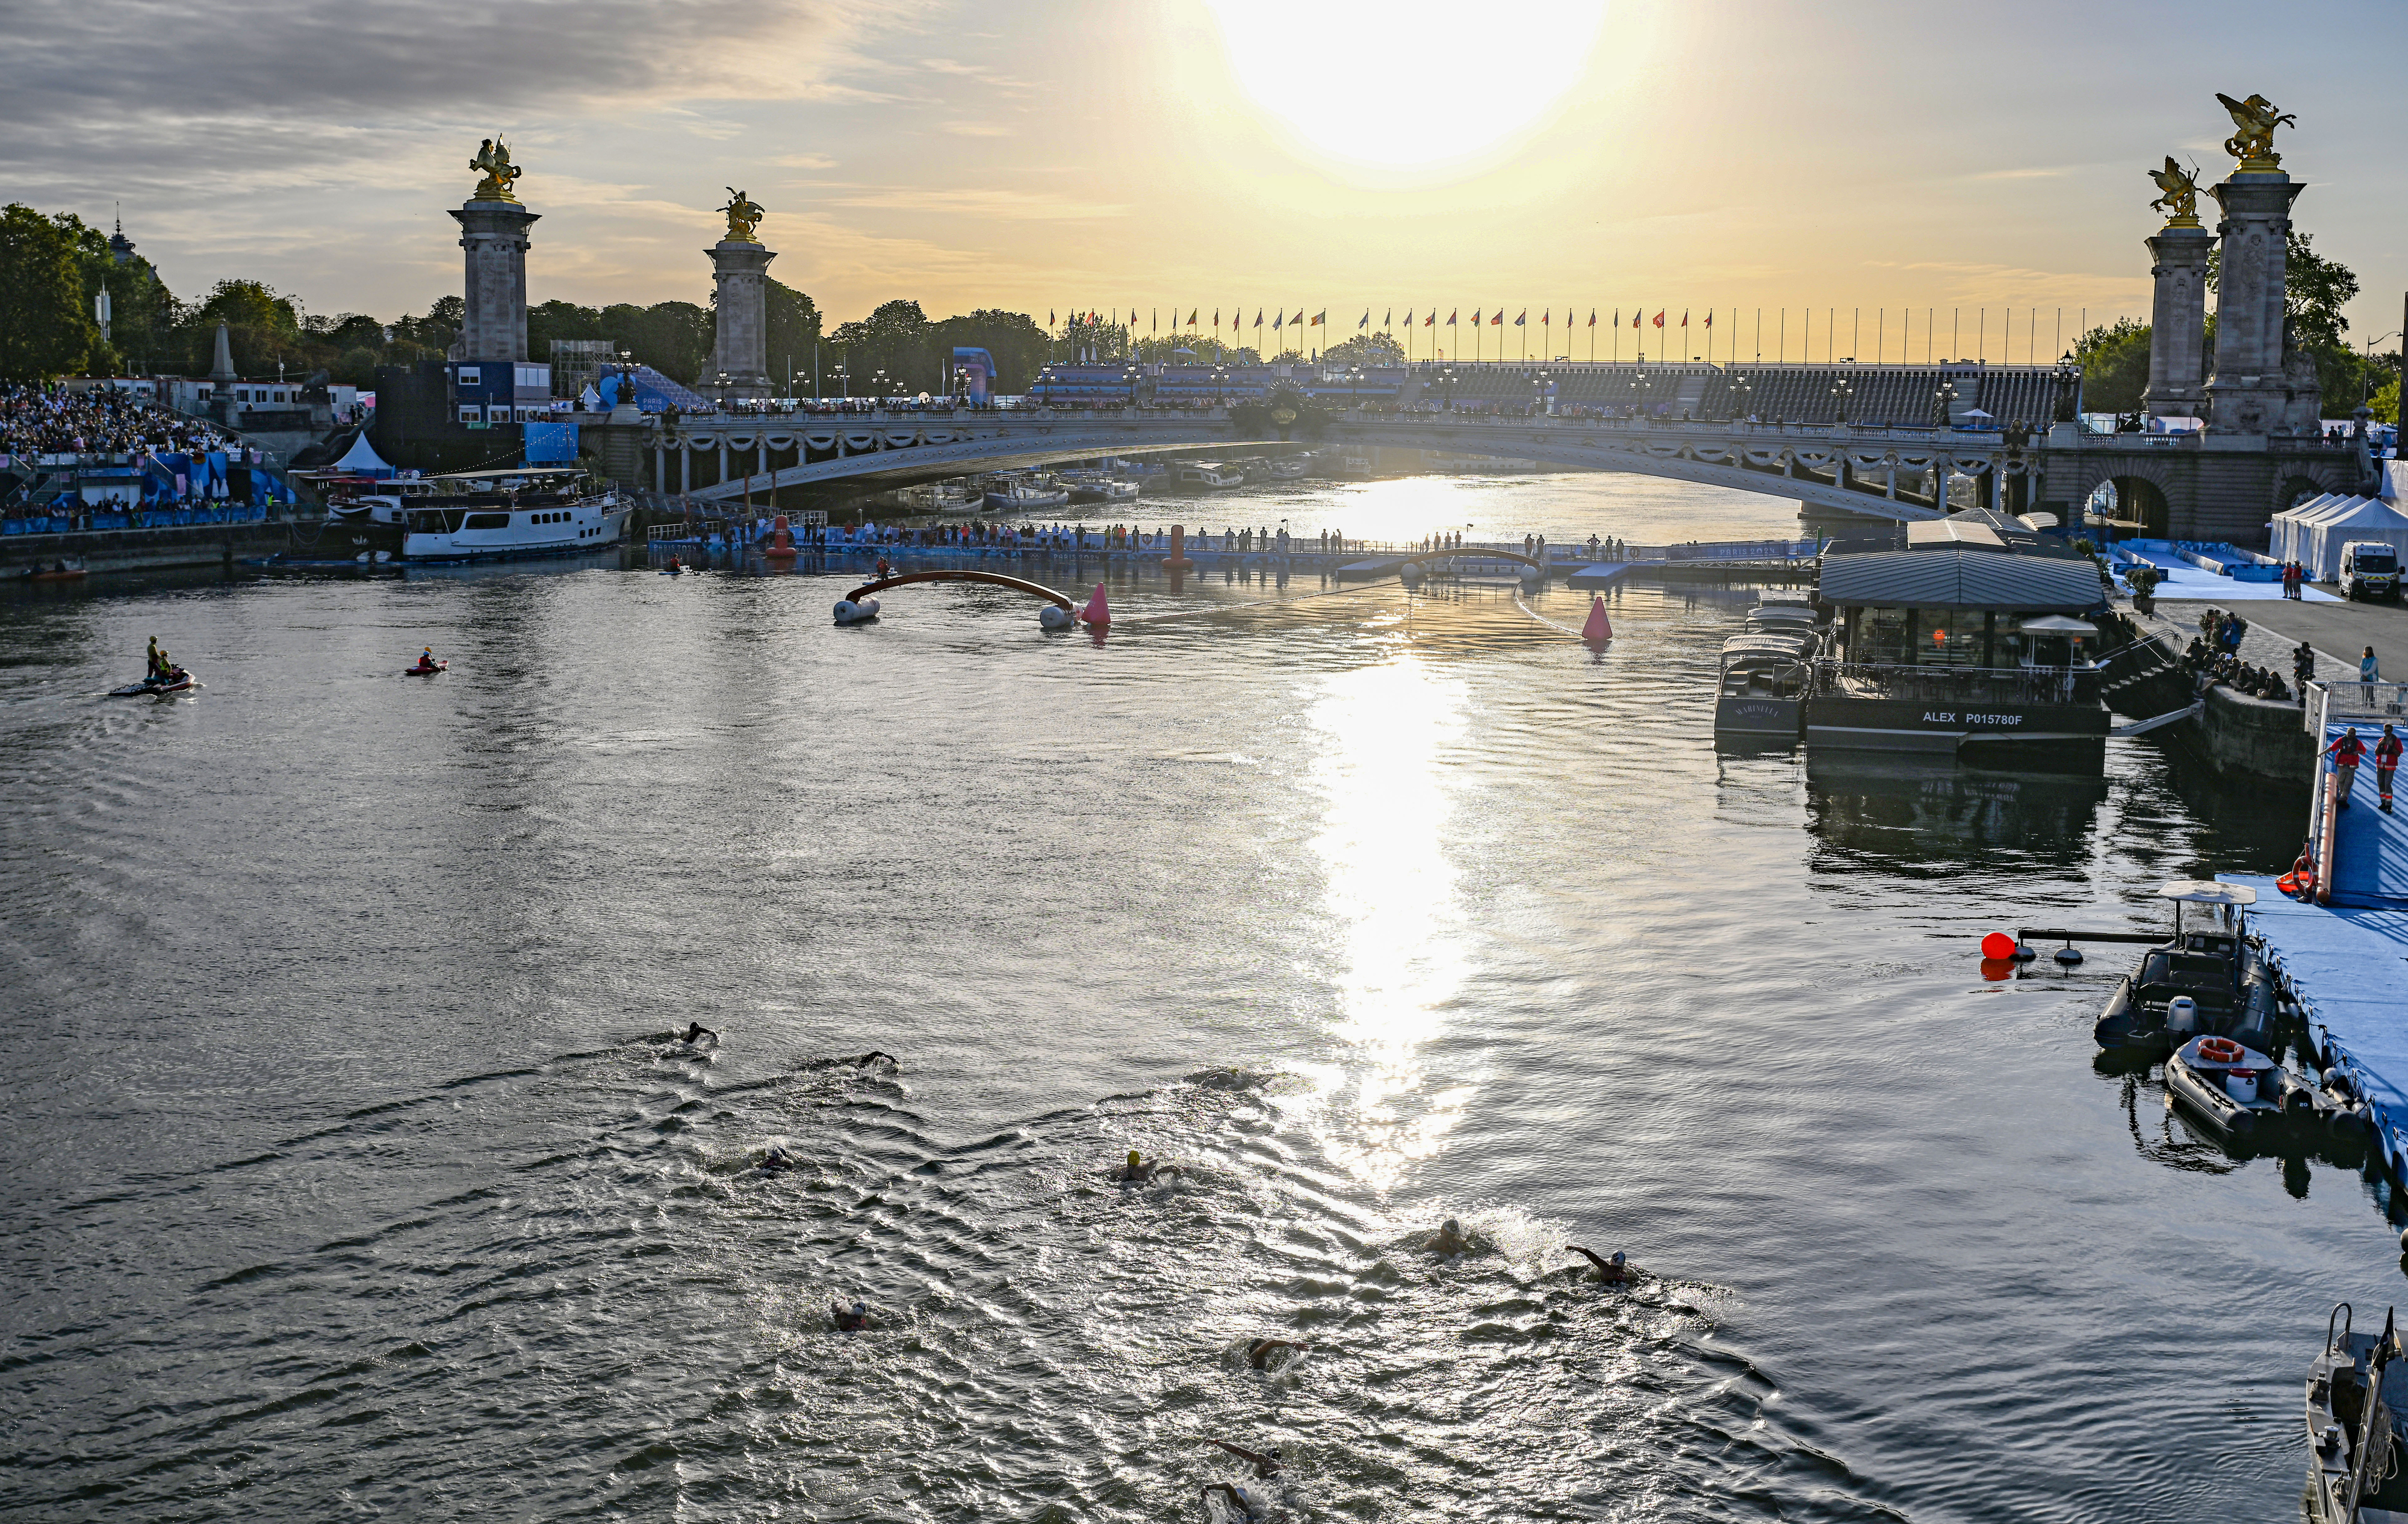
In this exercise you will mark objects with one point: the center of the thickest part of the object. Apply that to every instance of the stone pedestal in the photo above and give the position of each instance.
(494, 234)
(223, 379)
(2178, 322)
(741, 273)
(2248, 393)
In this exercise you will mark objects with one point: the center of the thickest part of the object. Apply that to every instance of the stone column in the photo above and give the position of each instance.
(494, 234)
(222, 380)
(741, 273)
(2178, 320)
(2247, 394)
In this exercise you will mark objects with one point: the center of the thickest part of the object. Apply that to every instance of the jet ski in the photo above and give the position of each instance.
(425, 671)
(177, 682)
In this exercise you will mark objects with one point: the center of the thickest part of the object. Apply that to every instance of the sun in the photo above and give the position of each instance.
(1407, 82)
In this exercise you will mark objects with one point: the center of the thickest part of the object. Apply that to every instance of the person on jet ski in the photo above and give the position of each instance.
(156, 672)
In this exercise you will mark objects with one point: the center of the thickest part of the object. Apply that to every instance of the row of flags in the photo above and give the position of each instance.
(1279, 320)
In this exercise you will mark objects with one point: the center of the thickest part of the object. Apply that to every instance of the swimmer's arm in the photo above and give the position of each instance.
(1594, 1257)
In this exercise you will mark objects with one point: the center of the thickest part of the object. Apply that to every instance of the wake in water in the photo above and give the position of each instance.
(647, 1321)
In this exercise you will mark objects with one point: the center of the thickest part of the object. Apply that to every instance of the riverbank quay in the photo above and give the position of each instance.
(2345, 968)
(101, 552)
(2269, 740)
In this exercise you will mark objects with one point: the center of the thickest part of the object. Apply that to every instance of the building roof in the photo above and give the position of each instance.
(1957, 577)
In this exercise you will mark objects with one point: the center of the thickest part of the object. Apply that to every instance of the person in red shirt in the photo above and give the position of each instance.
(2346, 753)
(2387, 762)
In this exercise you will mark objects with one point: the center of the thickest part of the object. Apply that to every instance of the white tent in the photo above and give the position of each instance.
(2314, 534)
(361, 460)
(2283, 531)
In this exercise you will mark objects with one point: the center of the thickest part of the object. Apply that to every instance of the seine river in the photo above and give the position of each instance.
(353, 1172)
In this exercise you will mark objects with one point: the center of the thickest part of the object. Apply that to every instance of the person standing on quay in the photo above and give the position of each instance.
(2369, 670)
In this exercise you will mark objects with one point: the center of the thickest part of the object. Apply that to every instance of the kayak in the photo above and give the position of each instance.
(424, 672)
(177, 683)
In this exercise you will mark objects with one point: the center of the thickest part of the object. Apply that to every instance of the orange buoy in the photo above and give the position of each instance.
(782, 542)
(1177, 561)
(1598, 628)
(1998, 945)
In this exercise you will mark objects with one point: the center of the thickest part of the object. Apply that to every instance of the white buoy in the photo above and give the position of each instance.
(1409, 573)
(1054, 617)
(848, 612)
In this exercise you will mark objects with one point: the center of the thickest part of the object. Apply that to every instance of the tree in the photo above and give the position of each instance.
(1365, 350)
(894, 339)
(46, 330)
(2385, 404)
(142, 313)
(1018, 347)
(2114, 366)
(1287, 413)
(792, 327)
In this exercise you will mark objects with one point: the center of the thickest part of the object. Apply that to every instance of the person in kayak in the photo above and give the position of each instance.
(2345, 754)
(1614, 1272)
(426, 660)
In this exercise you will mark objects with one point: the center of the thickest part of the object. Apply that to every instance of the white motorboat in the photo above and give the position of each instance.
(512, 515)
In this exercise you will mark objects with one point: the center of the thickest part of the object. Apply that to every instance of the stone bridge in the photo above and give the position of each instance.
(1885, 473)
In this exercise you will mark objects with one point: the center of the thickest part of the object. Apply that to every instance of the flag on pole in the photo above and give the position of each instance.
(1367, 319)
(1154, 319)
(1319, 316)
(1049, 318)
(1497, 319)
(1431, 322)
(1636, 316)
(1710, 320)
(1259, 317)
(1521, 320)
(1547, 319)
(1659, 318)
(1388, 318)
(1592, 318)
(1685, 316)
(1475, 316)
(1450, 317)
(1193, 312)
(1279, 318)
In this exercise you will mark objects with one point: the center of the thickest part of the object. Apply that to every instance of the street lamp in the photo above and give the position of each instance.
(2069, 379)
(1640, 378)
(1841, 392)
(2366, 372)
(878, 387)
(1220, 385)
(1353, 379)
(1940, 399)
(1741, 389)
(1446, 379)
(843, 382)
(1129, 374)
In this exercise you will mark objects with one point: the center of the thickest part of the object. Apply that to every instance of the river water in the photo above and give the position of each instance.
(353, 1172)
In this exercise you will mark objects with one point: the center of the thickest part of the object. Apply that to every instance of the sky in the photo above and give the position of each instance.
(1912, 173)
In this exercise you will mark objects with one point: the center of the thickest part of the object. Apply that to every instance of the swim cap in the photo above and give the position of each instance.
(1452, 1226)
(1617, 1256)
(1133, 1157)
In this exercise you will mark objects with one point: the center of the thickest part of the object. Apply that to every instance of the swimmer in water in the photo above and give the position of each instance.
(1258, 1355)
(776, 1161)
(1449, 1239)
(857, 1060)
(1140, 1171)
(696, 1031)
(1238, 1498)
(853, 1321)
(1265, 1463)
(1614, 1272)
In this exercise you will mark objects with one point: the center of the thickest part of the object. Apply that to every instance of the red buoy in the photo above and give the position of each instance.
(1998, 945)
(1598, 629)
(1097, 611)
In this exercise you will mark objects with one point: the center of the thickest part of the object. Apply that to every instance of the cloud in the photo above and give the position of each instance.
(802, 161)
(974, 129)
(243, 90)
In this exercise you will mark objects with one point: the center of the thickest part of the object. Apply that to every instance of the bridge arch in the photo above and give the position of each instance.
(1033, 590)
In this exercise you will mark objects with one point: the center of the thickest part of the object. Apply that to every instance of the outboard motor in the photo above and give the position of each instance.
(2182, 1018)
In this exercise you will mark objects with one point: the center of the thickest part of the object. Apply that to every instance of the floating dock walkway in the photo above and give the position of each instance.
(2343, 961)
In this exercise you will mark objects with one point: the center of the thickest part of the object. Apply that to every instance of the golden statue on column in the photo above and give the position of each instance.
(2178, 194)
(2254, 144)
(743, 218)
(494, 158)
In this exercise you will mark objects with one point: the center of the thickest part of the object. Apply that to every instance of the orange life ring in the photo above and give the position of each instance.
(2219, 1049)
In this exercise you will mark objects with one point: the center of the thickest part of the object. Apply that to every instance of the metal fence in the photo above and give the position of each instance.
(1956, 685)
(2345, 703)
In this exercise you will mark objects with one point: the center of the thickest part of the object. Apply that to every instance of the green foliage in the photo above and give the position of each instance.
(2385, 403)
(1018, 345)
(1262, 420)
(142, 313)
(1365, 350)
(896, 339)
(2314, 291)
(45, 329)
(2114, 366)
(792, 329)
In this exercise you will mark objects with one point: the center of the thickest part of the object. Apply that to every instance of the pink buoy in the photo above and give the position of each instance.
(1598, 627)
(1097, 611)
